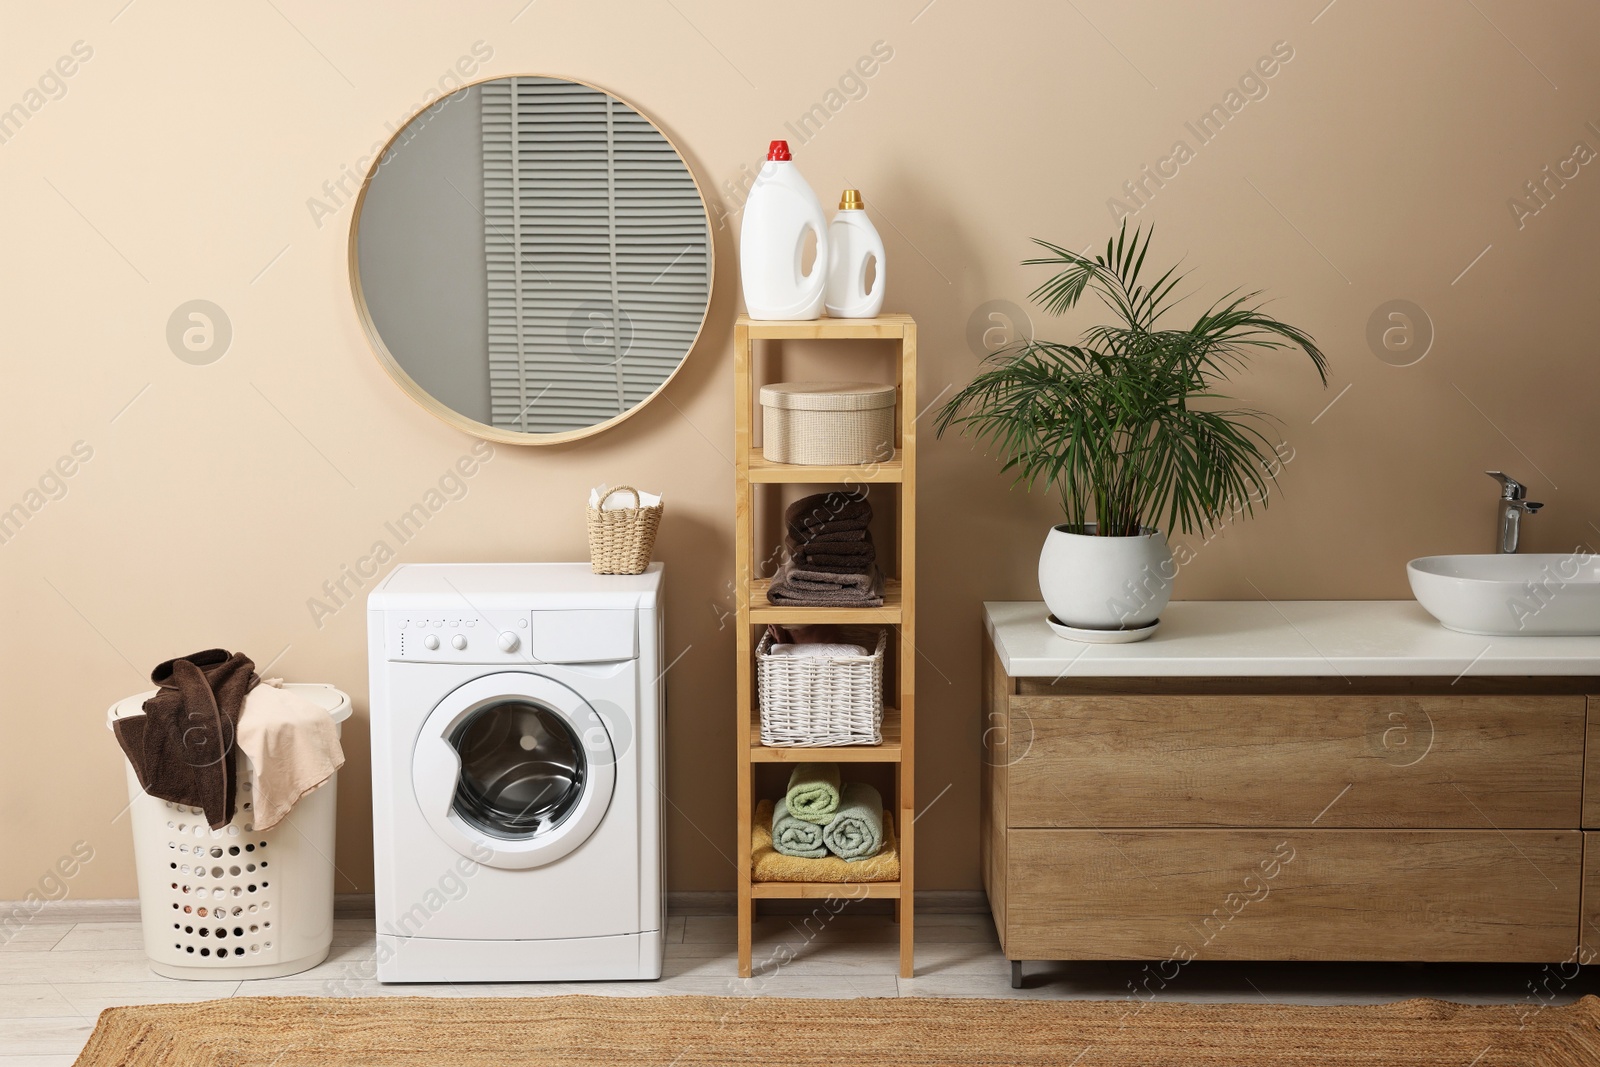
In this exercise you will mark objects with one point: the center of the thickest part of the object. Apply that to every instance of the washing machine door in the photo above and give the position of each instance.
(514, 770)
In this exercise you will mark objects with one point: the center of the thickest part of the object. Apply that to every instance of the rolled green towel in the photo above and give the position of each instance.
(813, 793)
(856, 831)
(796, 837)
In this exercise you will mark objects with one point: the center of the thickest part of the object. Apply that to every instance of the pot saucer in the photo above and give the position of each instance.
(1102, 637)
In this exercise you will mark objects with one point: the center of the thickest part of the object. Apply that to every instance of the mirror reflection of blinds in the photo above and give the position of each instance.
(597, 249)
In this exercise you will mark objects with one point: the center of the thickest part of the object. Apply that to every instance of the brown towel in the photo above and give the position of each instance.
(822, 509)
(831, 537)
(827, 561)
(833, 548)
(861, 551)
(181, 748)
(834, 565)
(848, 526)
(840, 557)
(799, 587)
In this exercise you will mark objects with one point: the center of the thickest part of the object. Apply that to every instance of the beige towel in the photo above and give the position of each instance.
(292, 747)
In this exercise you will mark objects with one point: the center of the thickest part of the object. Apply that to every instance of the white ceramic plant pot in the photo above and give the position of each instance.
(1105, 583)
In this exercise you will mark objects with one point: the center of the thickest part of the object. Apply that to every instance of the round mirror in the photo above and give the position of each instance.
(531, 259)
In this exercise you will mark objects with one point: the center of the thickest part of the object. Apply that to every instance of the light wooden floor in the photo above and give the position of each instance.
(55, 979)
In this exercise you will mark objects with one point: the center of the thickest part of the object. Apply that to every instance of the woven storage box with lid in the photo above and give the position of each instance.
(820, 700)
(827, 422)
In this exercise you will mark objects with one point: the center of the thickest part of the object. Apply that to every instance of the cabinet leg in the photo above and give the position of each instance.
(746, 915)
(1016, 974)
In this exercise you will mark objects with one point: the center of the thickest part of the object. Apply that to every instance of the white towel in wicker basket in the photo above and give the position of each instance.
(820, 701)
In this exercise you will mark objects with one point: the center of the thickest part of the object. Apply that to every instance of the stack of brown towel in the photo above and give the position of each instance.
(832, 560)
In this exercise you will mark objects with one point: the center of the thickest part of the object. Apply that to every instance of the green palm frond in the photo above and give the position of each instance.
(1127, 426)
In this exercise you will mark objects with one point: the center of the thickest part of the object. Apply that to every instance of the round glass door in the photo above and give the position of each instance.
(514, 770)
(522, 769)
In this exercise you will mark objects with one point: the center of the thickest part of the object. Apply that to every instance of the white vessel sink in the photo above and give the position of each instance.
(1511, 596)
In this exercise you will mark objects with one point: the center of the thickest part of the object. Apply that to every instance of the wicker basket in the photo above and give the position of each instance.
(827, 422)
(620, 540)
(820, 701)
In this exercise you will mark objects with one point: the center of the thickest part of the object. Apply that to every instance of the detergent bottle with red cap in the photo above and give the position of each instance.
(779, 213)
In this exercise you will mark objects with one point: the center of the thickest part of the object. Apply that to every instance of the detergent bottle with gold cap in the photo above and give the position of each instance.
(779, 214)
(854, 251)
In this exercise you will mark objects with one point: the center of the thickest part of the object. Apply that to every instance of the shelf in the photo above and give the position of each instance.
(823, 890)
(763, 612)
(897, 751)
(888, 752)
(762, 470)
(891, 326)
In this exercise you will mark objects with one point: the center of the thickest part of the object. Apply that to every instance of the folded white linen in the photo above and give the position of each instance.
(816, 650)
(620, 501)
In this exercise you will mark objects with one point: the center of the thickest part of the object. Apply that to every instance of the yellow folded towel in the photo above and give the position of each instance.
(769, 865)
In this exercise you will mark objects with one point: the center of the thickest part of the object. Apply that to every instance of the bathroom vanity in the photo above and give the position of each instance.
(1306, 780)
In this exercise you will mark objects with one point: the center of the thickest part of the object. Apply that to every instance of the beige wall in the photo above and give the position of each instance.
(179, 163)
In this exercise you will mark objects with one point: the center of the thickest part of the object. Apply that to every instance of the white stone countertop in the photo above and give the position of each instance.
(1286, 638)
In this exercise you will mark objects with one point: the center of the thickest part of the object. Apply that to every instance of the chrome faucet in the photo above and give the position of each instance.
(1514, 504)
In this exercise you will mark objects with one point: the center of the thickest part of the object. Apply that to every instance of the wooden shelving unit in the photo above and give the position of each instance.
(888, 752)
(763, 472)
(892, 611)
(897, 612)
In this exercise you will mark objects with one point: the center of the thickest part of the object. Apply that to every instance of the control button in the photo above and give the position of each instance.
(431, 641)
(522, 623)
(458, 641)
(509, 642)
(403, 624)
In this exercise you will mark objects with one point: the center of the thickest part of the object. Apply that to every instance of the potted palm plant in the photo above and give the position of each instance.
(1129, 428)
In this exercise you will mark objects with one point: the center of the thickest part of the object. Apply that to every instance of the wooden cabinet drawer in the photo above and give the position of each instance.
(1448, 895)
(1325, 761)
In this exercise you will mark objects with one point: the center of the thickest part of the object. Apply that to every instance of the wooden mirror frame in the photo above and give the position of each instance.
(442, 411)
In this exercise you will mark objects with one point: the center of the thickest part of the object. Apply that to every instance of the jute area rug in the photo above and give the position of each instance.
(689, 1031)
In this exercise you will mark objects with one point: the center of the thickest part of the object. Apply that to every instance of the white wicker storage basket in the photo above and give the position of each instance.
(827, 422)
(820, 700)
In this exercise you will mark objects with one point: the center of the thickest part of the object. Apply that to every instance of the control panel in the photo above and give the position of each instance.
(454, 637)
(511, 637)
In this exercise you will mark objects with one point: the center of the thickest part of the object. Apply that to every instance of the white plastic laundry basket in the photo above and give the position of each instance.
(235, 903)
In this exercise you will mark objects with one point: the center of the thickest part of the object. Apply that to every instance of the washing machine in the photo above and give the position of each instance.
(517, 714)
